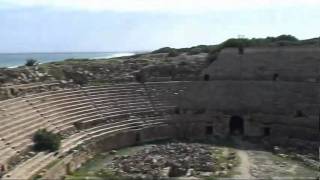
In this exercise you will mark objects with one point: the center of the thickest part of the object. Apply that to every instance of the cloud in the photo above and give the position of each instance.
(176, 6)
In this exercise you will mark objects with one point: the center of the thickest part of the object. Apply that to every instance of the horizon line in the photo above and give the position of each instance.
(71, 52)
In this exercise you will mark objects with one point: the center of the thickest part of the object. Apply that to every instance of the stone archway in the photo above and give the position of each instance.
(236, 125)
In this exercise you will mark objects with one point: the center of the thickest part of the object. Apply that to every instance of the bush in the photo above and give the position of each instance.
(163, 50)
(283, 38)
(236, 43)
(286, 43)
(203, 48)
(31, 62)
(173, 53)
(195, 51)
(45, 140)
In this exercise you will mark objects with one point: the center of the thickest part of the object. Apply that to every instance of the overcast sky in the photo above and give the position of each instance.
(129, 25)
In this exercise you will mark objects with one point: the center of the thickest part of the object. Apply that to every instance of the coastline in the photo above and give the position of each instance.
(114, 56)
(11, 61)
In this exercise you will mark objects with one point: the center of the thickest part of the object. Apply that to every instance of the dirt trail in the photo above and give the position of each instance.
(244, 167)
(258, 163)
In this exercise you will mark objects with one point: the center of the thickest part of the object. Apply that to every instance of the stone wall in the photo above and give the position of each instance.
(245, 97)
(287, 108)
(276, 88)
(289, 63)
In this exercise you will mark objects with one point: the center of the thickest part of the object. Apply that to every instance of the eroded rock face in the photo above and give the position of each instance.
(170, 160)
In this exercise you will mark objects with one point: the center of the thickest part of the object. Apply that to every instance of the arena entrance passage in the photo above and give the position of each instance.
(236, 125)
(209, 130)
(206, 77)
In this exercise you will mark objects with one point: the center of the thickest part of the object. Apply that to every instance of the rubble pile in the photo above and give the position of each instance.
(171, 160)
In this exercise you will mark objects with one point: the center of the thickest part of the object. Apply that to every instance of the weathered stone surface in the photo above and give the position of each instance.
(173, 160)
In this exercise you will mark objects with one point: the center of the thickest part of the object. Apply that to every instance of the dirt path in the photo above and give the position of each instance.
(244, 167)
(243, 170)
(257, 163)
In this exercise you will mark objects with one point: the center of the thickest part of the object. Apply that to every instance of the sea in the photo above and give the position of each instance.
(12, 60)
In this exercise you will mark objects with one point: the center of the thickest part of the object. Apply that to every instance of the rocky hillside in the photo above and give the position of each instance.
(75, 72)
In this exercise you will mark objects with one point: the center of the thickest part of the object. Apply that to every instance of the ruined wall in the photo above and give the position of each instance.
(276, 88)
(273, 89)
(289, 63)
(277, 98)
(288, 108)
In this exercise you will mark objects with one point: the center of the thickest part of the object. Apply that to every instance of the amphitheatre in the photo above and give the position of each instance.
(255, 103)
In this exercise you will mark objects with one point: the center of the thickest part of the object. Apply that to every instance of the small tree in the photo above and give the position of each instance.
(45, 140)
(285, 37)
(31, 62)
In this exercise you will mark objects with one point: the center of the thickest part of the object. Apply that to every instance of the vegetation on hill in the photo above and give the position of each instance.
(173, 53)
(163, 50)
(190, 51)
(241, 43)
(46, 141)
(282, 40)
(269, 41)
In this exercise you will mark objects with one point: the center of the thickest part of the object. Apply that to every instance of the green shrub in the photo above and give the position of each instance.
(163, 50)
(203, 48)
(195, 51)
(282, 40)
(286, 43)
(236, 43)
(45, 140)
(173, 53)
(283, 37)
(31, 62)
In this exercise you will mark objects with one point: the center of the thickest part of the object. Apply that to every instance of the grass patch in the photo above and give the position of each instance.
(223, 157)
(98, 82)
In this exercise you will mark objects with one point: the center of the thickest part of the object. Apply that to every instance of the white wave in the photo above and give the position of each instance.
(12, 67)
(114, 55)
